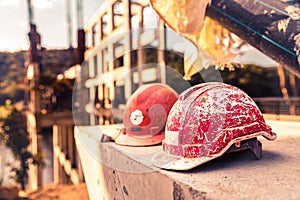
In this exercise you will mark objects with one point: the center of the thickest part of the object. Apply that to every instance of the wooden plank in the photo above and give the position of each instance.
(268, 25)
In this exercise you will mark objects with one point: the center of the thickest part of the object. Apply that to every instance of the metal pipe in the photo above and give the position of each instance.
(30, 12)
(80, 23)
(265, 24)
(69, 23)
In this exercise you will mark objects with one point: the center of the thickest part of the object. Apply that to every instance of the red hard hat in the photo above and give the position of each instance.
(146, 114)
(205, 122)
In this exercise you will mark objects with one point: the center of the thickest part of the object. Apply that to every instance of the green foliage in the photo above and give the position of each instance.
(175, 61)
(254, 80)
(14, 135)
(13, 70)
(56, 61)
(12, 76)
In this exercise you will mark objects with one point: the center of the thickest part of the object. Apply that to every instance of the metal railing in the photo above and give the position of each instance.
(279, 105)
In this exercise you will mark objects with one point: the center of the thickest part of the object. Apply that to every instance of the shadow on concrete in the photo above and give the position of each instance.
(240, 159)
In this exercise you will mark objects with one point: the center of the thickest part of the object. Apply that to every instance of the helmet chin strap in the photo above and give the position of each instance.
(253, 144)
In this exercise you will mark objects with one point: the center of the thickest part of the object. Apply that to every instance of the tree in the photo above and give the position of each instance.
(284, 89)
(14, 134)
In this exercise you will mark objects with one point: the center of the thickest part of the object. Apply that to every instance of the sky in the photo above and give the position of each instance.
(50, 17)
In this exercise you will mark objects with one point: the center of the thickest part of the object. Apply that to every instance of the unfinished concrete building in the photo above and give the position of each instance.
(122, 38)
(48, 109)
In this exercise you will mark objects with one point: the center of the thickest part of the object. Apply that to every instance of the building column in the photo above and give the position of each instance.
(59, 173)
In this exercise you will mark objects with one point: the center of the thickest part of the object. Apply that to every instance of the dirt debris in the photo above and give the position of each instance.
(60, 192)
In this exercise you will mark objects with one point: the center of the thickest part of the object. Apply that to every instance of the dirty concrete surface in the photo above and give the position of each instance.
(239, 175)
(235, 175)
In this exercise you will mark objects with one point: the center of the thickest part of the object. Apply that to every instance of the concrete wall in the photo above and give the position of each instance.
(119, 172)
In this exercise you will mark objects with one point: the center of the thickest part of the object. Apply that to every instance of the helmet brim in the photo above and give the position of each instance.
(166, 160)
(128, 140)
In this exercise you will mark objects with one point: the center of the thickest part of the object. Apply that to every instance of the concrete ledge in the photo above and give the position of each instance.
(118, 172)
(294, 118)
